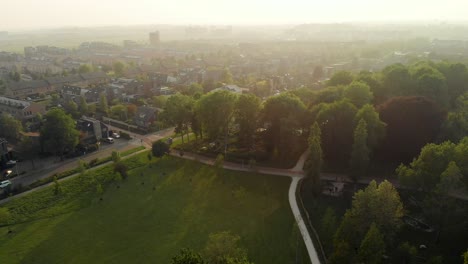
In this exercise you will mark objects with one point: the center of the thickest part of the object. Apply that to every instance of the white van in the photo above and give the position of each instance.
(108, 140)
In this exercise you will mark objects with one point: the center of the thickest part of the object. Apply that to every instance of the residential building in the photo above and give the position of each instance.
(145, 117)
(21, 110)
(233, 88)
(91, 130)
(23, 89)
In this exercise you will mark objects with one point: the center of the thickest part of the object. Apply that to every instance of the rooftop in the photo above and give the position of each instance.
(14, 103)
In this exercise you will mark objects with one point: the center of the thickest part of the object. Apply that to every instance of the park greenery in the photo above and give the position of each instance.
(161, 208)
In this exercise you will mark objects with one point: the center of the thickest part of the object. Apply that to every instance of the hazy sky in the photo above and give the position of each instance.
(23, 14)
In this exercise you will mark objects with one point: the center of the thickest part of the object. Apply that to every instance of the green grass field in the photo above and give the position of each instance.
(158, 210)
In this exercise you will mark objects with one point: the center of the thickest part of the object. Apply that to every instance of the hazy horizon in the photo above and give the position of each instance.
(46, 14)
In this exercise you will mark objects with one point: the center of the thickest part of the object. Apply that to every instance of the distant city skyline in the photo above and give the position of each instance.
(33, 14)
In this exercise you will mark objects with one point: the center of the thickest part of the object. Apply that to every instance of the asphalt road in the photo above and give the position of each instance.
(54, 165)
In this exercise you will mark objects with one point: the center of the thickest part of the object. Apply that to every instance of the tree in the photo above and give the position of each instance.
(58, 133)
(465, 257)
(411, 122)
(342, 253)
(227, 76)
(121, 169)
(85, 68)
(372, 246)
(131, 110)
(374, 83)
(178, 112)
(340, 78)
(11, 128)
(396, 81)
(118, 68)
(83, 106)
(216, 110)
(119, 112)
(456, 76)
(429, 82)
(27, 149)
(246, 115)
(450, 179)
(71, 108)
(222, 246)
(359, 161)
(103, 106)
(406, 253)
(187, 256)
(285, 114)
(375, 127)
(379, 204)
(115, 156)
(336, 121)
(328, 227)
(315, 159)
(358, 93)
(456, 125)
(159, 148)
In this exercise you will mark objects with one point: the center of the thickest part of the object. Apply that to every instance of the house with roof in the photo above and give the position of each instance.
(21, 110)
(91, 130)
(232, 88)
(145, 117)
(24, 89)
(73, 93)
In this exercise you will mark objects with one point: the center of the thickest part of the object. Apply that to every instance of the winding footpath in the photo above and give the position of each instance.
(296, 174)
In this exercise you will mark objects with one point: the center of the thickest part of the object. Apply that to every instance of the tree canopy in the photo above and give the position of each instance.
(58, 133)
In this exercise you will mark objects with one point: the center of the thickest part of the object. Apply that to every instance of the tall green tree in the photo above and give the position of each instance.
(336, 121)
(58, 133)
(246, 115)
(358, 93)
(85, 68)
(284, 115)
(379, 204)
(178, 112)
(227, 76)
(119, 68)
(71, 108)
(359, 161)
(159, 148)
(103, 106)
(315, 158)
(216, 110)
(10, 127)
(372, 246)
(83, 106)
(341, 78)
(375, 127)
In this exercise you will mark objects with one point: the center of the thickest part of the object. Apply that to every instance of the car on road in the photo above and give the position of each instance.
(115, 135)
(5, 184)
(108, 140)
(11, 162)
(7, 173)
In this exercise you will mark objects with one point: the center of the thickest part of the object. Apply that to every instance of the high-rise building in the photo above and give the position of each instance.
(154, 38)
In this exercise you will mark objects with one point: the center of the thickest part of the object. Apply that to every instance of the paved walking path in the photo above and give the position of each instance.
(296, 173)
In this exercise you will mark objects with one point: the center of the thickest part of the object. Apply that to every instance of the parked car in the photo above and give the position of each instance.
(108, 140)
(115, 135)
(11, 162)
(5, 184)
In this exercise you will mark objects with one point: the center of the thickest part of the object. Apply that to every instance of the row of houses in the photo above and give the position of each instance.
(31, 89)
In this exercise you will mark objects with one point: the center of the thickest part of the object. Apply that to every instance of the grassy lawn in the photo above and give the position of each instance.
(147, 218)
